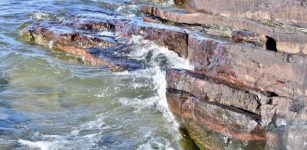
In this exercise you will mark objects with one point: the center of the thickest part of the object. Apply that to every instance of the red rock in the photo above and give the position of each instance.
(247, 67)
(287, 40)
(197, 101)
(86, 56)
(289, 11)
(240, 36)
(234, 124)
(173, 38)
(63, 38)
(148, 19)
(52, 34)
(67, 36)
(207, 89)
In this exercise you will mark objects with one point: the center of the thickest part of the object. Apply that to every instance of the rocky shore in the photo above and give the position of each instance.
(248, 88)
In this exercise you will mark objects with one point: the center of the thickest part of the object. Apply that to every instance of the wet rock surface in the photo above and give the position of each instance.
(253, 71)
(248, 90)
(80, 34)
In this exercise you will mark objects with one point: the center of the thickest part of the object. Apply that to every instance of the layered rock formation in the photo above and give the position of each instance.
(276, 38)
(90, 37)
(248, 88)
(288, 11)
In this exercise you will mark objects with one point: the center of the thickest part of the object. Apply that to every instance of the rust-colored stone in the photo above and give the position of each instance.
(247, 67)
(148, 19)
(288, 11)
(66, 35)
(287, 40)
(216, 118)
(174, 38)
(86, 56)
(207, 89)
(57, 36)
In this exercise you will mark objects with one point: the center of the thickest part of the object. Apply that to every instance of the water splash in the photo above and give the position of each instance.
(43, 145)
(160, 58)
(89, 134)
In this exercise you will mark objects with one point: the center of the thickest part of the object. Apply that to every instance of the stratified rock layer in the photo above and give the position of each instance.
(206, 88)
(288, 11)
(203, 104)
(258, 75)
(81, 34)
(173, 38)
(217, 118)
(250, 67)
(286, 39)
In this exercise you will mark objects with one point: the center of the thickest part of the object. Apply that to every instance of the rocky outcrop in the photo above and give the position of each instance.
(248, 89)
(288, 11)
(57, 36)
(173, 38)
(244, 66)
(206, 88)
(199, 116)
(278, 38)
(203, 104)
(81, 35)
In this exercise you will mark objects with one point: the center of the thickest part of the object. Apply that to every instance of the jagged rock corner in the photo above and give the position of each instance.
(248, 88)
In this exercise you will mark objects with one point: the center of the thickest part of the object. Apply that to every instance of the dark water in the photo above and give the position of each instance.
(50, 101)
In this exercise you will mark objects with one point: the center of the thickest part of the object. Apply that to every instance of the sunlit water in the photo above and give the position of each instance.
(51, 101)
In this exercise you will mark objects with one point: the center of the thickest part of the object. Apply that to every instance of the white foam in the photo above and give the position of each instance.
(106, 33)
(74, 140)
(157, 74)
(43, 145)
(121, 73)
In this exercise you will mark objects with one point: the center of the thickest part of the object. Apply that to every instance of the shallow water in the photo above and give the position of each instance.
(49, 100)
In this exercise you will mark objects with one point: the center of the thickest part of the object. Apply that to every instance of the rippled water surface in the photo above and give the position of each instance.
(51, 101)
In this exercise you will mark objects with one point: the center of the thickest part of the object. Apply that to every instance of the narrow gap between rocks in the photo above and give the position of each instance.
(271, 44)
(272, 94)
(187, 139)
(253, 115)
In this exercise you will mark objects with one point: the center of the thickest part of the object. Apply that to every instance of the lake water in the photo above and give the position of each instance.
(49, 100)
